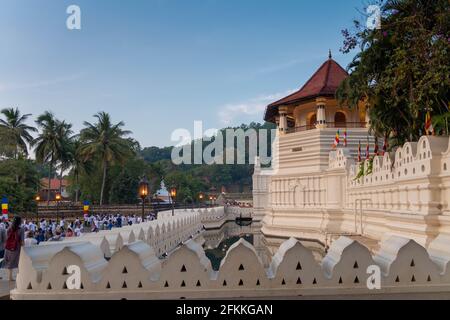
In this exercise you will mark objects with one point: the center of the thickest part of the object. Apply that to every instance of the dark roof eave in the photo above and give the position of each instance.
(270, 108)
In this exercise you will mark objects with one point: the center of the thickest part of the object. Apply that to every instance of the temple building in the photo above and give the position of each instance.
(313, 191)
(314, 105)
(309, 119)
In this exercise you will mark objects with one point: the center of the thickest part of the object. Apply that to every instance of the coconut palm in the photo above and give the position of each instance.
(107, 142)
(15, 133)
(50, 145)
(65, 155)
(79, 164)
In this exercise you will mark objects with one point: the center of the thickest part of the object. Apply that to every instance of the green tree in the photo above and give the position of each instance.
(65, 153)
(48, 145)
(106, 142)
(79, 165)
(19, 181)
(124, 186)
(15, 133)
(402, 70)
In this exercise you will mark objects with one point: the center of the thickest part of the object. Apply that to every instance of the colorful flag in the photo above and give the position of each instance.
(5, 209)
(376, 148)
(359, 151)
(429, 130)
(86, 206)
(345, 138)
(336, 140)
(368, 149)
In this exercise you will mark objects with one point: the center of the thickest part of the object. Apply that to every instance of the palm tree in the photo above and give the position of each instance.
(79, 164)
(15, 131)
(65, 154)
(50, 145)
(105, 141)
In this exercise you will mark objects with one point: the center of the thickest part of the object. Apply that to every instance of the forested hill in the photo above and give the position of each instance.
(191, 179)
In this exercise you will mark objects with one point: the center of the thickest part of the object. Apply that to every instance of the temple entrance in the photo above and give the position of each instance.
(340, 120)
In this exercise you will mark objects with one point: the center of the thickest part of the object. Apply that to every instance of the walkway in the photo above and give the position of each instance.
(5, 285)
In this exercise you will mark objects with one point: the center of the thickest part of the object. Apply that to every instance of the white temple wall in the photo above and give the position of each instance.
(407, 194)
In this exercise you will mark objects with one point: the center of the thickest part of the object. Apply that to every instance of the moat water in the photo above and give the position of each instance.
(218, 241)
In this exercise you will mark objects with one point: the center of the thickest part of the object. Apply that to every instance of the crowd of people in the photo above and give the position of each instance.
(21, 232)
(234, 203)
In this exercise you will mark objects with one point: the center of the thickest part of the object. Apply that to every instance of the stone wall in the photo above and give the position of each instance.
(135, 271)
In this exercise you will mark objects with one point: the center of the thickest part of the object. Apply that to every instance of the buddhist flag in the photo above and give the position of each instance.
(86, 206)
(345, 138)
(359, 151)
(429, 130)
(336, 140)
(368, 149)
(5, 208)
(376, 148)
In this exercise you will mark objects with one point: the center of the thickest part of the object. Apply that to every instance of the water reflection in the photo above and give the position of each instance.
(218, 241)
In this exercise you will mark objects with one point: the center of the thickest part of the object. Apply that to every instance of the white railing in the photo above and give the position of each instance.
(135, 272)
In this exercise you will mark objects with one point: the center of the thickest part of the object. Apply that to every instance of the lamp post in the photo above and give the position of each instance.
(200, 198)
(37, 199)
(57, 199)
(210, 201)
(173, 195)
(143, 193)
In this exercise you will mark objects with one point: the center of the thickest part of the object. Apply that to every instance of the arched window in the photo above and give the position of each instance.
(340, 120)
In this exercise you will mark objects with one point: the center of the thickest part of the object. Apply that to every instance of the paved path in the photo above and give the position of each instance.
(5, 285)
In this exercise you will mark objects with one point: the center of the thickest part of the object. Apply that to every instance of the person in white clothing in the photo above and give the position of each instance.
(32, 226)
(30, 240)
(77, 232)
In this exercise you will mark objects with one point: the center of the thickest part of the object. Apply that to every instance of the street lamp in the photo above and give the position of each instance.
(200, 198)
(143, 193)
(173, 195)
(210, 200)
(57, 199)
(37, 199)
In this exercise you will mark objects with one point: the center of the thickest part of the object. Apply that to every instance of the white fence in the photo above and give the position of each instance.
(134, 272)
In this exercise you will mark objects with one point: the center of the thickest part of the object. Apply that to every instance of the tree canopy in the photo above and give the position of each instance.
(402, 69)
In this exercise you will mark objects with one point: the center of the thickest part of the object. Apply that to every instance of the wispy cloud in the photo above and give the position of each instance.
(229, 112)
(4, 87)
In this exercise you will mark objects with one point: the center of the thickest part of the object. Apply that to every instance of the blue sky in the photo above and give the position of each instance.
(159, 65)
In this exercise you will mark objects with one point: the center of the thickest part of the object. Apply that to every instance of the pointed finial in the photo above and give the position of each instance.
(329, 54)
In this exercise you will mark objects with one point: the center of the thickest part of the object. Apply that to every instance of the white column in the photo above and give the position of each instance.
(321, 114)
(282, 111)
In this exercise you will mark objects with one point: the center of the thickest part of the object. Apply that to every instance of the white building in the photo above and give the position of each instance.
(311, 191)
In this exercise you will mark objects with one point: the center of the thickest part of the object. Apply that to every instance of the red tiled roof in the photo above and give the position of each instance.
(54, 183)
(324, 82)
